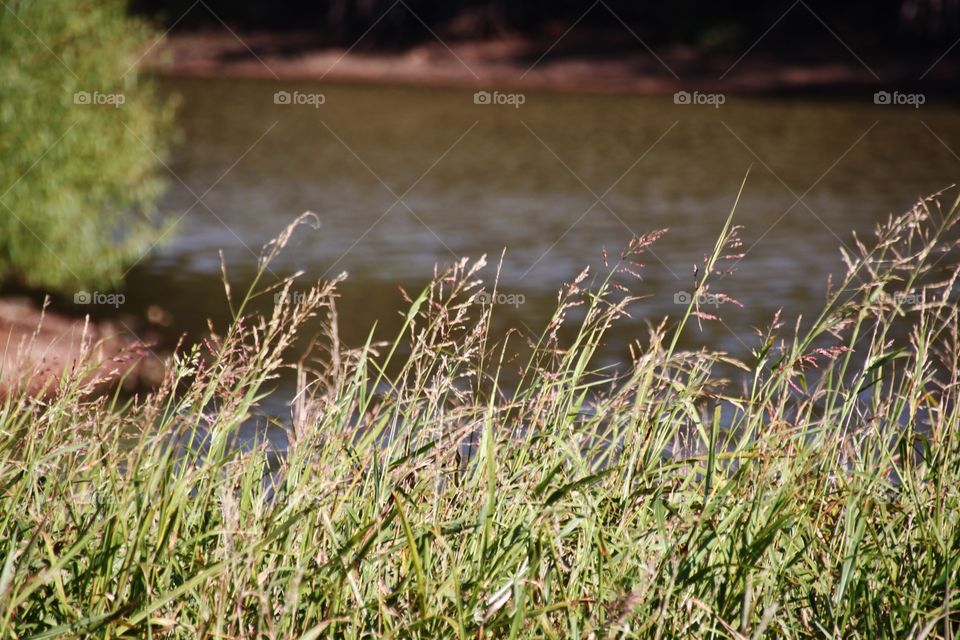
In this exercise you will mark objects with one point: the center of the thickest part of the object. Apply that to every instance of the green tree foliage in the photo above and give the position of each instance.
(80, 130)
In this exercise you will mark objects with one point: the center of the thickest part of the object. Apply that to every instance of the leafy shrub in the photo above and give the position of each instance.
(78, 170)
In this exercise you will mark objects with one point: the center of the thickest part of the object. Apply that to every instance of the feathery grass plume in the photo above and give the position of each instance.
(423, 496)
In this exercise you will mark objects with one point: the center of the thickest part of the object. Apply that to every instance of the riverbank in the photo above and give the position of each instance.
(567, 63)
(41, 347)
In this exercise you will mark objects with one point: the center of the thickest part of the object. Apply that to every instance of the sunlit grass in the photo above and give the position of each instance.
(423, 497)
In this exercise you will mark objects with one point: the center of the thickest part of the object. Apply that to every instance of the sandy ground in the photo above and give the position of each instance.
(624, 65)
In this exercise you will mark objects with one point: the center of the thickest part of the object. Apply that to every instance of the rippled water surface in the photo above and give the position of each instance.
(404, 178)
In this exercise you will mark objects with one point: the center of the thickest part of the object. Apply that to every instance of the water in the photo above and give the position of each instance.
(475, 179)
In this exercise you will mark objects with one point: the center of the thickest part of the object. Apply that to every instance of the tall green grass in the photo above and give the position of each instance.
(423, 497)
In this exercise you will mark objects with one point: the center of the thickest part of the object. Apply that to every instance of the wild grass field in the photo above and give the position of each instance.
(813, 494)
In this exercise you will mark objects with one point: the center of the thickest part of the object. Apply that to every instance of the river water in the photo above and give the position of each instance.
(405, 178)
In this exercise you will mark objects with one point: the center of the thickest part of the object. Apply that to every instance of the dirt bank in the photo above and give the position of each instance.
(572, 62)
(38, 347)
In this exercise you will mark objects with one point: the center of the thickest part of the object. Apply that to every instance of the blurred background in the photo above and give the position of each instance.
(142, 141)
(866, 23)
